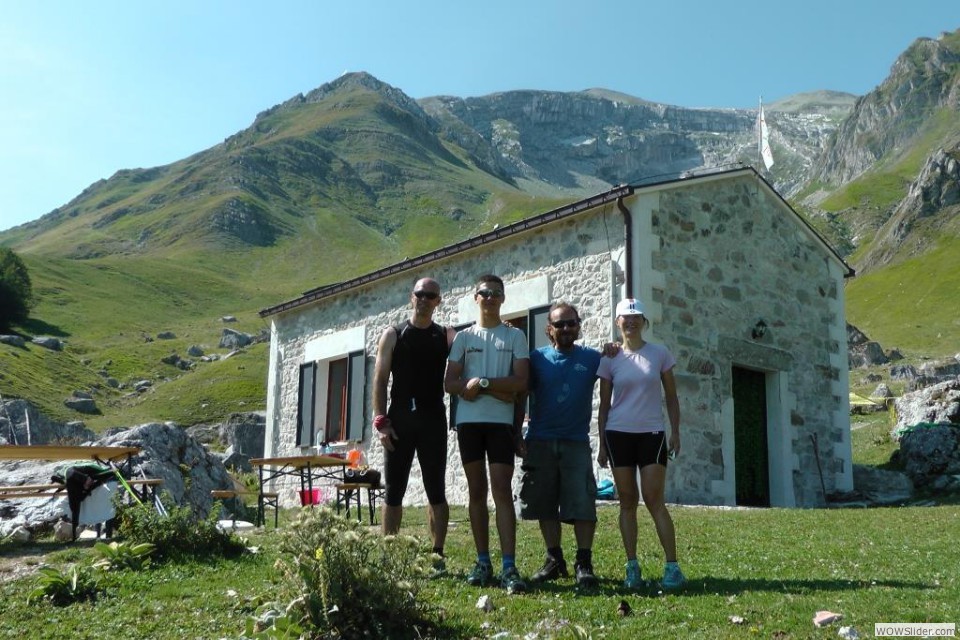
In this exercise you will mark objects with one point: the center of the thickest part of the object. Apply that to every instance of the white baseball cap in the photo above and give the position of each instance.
(629, 307)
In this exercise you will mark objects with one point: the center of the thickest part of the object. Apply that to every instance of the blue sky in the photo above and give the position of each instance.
(88, 88)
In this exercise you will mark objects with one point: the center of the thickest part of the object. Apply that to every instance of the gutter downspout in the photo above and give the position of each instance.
(628, 247)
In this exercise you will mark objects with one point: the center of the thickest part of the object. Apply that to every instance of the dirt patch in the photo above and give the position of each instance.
(21, 561)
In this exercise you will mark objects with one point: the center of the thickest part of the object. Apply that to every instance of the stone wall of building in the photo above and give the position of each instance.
(572, 259)
(725, 255)
(711, 259)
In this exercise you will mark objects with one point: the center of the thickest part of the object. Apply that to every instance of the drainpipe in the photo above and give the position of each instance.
(628, 244)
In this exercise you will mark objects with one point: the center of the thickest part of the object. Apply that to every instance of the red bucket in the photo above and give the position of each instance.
(311, 496)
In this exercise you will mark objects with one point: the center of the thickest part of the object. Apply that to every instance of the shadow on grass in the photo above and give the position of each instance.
(731, 586)
(37, 327)
(711, 585)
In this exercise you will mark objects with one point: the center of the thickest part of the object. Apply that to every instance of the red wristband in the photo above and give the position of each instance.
(381, 422)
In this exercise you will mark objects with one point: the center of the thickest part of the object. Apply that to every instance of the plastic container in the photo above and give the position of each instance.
(311, 496)
(353, 458)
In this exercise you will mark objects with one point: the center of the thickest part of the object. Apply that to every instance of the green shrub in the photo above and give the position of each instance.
(353, 582)
(178, 535)
(65, 587)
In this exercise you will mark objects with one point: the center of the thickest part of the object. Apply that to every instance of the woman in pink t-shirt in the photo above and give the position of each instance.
(632, 436)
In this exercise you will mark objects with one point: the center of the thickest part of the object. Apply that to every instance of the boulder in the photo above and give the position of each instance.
(195, 351)
(188, 471)
(244, 432)
(882, 391)
(903, 372)
(170, 359)
(47, 342)
(42, 430)
(228, 319)
(14, 341)
(855, 336)
(83, 405)
(166, 335)
(939, 403)
(232, 459)
(880, 486)
(866, 354)
(929, 452)
(941, 370)
(231, 339)
(208, 434)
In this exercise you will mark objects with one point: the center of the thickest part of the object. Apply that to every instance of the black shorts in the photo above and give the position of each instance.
(425, 436)
(492, 441)
(636, 449)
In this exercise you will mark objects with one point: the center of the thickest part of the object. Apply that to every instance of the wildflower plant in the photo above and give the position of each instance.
(75, 584)
(353, 582)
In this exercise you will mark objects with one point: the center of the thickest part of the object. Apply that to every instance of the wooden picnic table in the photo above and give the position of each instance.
(65, 452)
(305, 467)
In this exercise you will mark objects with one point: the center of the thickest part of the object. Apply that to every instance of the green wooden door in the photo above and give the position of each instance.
(750, 438)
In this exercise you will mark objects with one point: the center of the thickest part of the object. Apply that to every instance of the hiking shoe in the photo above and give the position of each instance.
(481, 574)
(633, 580)
(584, 574)
(551, 570)
(673, 578)
(511, 581)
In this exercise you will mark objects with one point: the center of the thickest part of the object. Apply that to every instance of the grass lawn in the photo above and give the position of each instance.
(774, 568)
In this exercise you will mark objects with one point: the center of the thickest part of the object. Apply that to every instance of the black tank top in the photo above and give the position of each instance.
(418, 364)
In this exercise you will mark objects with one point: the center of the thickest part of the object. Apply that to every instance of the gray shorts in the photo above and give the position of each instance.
(558, 481)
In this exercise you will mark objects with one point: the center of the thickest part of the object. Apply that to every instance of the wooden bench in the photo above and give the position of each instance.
(147, 487)
(268, 499)
(349, 492)
(33, 491)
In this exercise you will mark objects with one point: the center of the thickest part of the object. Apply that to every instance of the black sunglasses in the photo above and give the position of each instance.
(490, 293)
(429, 295)
(561, 324)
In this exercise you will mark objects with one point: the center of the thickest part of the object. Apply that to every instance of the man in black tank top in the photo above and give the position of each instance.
(415, 355)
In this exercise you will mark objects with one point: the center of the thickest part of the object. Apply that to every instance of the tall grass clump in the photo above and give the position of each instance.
(179, 534)
(352, 582)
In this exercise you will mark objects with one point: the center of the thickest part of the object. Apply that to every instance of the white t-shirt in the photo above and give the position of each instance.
(637, 404)
(487, 353)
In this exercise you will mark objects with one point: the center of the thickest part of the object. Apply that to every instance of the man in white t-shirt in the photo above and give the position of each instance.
(488, 364)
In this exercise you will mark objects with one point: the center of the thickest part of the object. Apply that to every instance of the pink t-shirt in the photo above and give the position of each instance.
(637, 403)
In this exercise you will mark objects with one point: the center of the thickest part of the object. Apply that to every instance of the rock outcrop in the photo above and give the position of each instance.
(189, 472)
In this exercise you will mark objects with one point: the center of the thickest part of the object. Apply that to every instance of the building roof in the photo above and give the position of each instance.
(534, 222)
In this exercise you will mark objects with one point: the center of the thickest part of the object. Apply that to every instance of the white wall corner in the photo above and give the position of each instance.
(274, 404)
(521, 295)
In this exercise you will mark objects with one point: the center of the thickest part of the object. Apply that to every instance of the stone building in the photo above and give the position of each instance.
(744, 292)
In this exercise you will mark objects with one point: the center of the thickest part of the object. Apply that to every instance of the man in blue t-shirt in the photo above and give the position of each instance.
(558, 484)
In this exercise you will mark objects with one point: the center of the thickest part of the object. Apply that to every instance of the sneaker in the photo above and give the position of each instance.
(633, 580)
(584, 574)
(673, 578)
(512, 582)
(551, 570)
(439, 567)
(481, 574)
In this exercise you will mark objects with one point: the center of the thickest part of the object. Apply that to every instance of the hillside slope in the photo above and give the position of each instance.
(356, 175)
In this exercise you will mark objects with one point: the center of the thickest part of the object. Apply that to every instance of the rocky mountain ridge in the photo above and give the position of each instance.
(922, 81)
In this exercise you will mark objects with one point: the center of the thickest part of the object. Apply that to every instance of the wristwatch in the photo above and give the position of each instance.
(484, 383)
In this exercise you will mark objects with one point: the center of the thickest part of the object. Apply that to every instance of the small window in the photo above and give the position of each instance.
(337, 387)
(331, 400)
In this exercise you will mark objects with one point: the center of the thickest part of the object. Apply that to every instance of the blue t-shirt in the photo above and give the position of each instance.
(561, 393)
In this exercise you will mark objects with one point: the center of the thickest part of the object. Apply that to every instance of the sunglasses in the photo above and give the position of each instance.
(429, 295)
(489, 293)
(565, 324)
